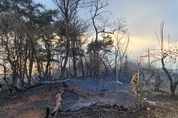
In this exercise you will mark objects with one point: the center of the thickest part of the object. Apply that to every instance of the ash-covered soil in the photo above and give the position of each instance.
(88, 98)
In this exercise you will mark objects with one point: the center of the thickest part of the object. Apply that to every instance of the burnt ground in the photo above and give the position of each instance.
(88, 98)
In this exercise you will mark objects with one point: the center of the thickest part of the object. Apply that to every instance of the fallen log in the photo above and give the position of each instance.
(22, 89)
(58, 103)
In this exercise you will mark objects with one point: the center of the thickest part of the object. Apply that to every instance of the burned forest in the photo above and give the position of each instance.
(57, 63)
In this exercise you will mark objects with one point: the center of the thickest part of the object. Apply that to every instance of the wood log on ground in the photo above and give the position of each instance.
(22, 89)
(58, 103)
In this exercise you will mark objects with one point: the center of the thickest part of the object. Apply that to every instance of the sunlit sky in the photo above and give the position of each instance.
(143, 18)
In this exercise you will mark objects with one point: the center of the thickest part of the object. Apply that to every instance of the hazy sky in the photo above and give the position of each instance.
(143, 18)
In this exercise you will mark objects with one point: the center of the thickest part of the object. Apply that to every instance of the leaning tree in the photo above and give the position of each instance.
(164, 55)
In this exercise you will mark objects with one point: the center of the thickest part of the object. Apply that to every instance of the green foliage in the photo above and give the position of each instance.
(61, 25)
(22, 24)
(46, 17)
(101, 45)
(35, 13)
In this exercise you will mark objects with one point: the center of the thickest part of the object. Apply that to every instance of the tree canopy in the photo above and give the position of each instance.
(39, 44)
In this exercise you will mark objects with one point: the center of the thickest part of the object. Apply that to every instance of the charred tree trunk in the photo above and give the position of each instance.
(74, 60)
(172, 84)
(158, 81)
(83, 73)
(5, 73)
(47, 68)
